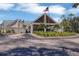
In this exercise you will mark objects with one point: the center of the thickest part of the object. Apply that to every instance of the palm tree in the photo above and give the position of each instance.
(75, 24)
(63, 16)
(72, 20)
(71, 15)
(62, 24)
(75, 5)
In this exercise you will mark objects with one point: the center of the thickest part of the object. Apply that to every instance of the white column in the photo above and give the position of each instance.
(44, 22)
(3, 27)
(31, 28)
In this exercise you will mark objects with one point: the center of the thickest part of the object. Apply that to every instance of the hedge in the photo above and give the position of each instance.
(51, 34)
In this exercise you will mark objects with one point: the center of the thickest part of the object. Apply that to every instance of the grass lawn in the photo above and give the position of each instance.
(53, 34)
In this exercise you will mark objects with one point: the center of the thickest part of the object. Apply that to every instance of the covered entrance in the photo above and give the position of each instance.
(42, 23)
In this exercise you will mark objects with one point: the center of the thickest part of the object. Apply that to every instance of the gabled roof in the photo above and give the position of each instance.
(41, 19)
(13, 23)
(8, 23)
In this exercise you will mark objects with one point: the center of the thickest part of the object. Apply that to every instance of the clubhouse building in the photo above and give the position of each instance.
(21, 26)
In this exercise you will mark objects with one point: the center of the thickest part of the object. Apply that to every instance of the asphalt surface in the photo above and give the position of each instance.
(26, 44)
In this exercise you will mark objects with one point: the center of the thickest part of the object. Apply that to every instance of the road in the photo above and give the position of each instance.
(71, 45)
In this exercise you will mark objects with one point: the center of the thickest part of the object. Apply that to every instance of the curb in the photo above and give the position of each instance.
(59, 37)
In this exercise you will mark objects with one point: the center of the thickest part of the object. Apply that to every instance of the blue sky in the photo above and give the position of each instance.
(30, 12)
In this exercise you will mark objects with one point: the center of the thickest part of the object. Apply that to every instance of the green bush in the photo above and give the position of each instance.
(51, 34)
(0, 31)
(8, 31)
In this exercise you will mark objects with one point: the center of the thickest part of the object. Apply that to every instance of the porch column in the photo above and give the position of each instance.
(31, 28)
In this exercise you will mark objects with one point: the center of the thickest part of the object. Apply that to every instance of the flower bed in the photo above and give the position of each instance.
(52, 34)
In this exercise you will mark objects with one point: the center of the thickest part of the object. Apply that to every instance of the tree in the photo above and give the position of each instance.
(70, 16)
(66, 25)
(63, 17)
(71, 24)
(75, 24)
(75, 5)
(56, 27)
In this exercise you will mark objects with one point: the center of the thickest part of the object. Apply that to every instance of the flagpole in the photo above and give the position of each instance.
(45, 19)
(45, 22)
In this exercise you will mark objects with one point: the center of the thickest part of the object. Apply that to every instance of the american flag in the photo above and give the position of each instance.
(47, 9)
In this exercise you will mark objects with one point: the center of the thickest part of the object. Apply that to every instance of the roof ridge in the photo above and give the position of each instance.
(51, 18)
(39, 17)
(12, 23)
(46, 17)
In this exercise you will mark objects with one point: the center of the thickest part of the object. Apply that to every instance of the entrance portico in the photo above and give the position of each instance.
(42, 20)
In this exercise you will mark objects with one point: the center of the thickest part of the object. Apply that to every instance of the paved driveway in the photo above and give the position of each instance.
(71, 45)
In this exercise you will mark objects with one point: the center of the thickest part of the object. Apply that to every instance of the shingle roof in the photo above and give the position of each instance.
(12, 22)
(7, 22)
(41, 19)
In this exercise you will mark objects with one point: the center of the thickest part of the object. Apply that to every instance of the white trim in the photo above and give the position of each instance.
(43, 23)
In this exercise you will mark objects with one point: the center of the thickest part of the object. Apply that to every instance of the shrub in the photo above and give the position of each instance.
(12, 31)
(8, 31)
(0, 31)
(51, 34)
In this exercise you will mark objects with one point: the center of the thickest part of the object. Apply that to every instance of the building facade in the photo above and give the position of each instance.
(20, 26)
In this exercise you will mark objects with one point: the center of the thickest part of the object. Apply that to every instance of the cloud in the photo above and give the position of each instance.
(57, 19)
(36, 8)
(73, 10)
(6, 6)
(32, 8)
(57, 9)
